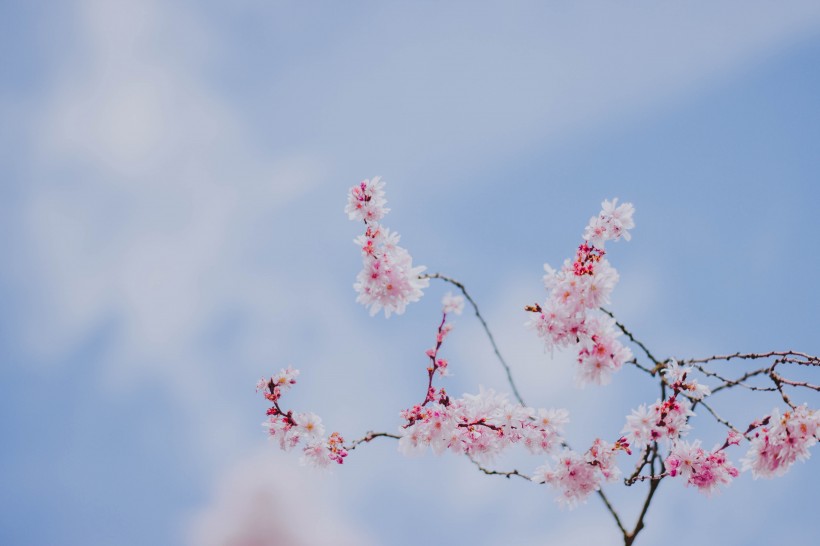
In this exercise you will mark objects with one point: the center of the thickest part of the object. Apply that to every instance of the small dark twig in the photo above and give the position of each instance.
(497, 352)
(507, 475)
(794, 357)
(631, 337)
(370, 436)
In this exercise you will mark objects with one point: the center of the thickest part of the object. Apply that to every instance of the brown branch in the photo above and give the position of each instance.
(631, 337)
(613, 512)
(797, 383)
(640, 366)
(778, 382)
(728, 383)
(645, 461)
(507, 475)
(370, 436)
(789, 356)
(497, 352)
(629, 538)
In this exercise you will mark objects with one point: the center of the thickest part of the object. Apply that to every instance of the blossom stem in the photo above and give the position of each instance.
(497, 352)
(507, 475)
(632, 338)
(368, 437)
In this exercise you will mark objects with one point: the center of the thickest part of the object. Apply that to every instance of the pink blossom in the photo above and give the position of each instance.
(667, 420)
(786, 439)
(480, 425)
(602, 455)
(388, 280)
(570, 315)
(366, 201)
(704, 470)
(452, 304)
(601, 353)
(573, 476)
(680, 379)
(612, 223)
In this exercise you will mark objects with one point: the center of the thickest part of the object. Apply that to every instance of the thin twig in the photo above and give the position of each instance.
(368, 437)
(614, 513)
(778, 382)
(645, 460)
(736, 382)
(631, 337)
(507, 475)
(497, 352)
(640, 366)
(629, 538)
(788, 355)
(717, 417)
(798, 383)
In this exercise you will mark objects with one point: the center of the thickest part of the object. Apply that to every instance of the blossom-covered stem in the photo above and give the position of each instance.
(507, 475)
(639, 468)
(431, 370)
(794, 357)
(631, 337)
(497, 352)
(368, 437)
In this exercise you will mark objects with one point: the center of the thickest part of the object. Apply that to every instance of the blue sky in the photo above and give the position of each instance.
(171, 191)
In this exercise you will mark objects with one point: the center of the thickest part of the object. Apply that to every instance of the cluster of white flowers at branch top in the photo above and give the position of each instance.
(292, 429)
(388, 279)
(570, 315)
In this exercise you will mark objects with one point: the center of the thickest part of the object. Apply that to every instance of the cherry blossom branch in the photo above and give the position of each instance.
(639, 467)
(778, 382)
(728, 383)
(790, 356)
(614, 514)
(632, 338)
(369, 437)
(629, 538)
(640, 366)
(497, 352)
(507, 475)
(717, 417)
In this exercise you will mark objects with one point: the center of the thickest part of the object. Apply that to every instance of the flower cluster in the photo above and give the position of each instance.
(570, 317)
(480, 425)
(613, 222)
(292, 429)
(780, 440)
(667, 419)
(576, 476)
(705, 470)
(388, 279)
(484, 425)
